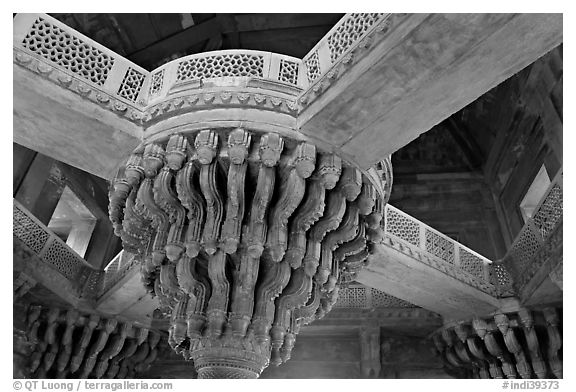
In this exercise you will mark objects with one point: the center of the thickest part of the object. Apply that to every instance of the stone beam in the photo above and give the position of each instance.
(405, 277)
(349, 321)
(128, 297)
(416, 73)
(57, 122)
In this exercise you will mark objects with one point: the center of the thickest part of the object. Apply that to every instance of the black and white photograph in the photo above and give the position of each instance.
(277, 195)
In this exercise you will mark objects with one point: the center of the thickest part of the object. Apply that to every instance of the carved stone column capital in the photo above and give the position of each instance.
(244, 236)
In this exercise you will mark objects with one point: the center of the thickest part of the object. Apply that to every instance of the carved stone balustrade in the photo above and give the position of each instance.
(117, 269)
(244, 236)
(524, 344)
(443, 253)
(356, 296)
(67, 343)
(42, 257)
(535, 257)
(97, 95)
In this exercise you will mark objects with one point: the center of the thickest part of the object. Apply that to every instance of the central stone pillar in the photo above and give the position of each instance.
(244, 237)
(244, 233)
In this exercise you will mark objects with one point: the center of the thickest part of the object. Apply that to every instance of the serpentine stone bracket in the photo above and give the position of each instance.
(67, 343)
(244, 236)
(524, 344)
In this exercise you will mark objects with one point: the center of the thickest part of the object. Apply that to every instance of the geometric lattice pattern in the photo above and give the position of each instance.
(440, 246)
(65, 260)
(118, 268)
(368, 298)
(56, 45)
(288, 72)
(156, 82)
(313, 67)
(471, 263)
(352, 297)
(131, 85)
(525, 248)
(349, 32)
(402, 227)
(382, 300)
(550, 211)
(499, 276)
(28, 231)
(241, 64)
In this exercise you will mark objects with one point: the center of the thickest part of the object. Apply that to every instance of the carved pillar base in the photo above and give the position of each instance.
(228, 362)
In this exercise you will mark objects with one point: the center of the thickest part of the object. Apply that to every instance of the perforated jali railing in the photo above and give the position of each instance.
(522, 258)
(342, 38)
(53, 251)
(445, 254)
(225, 64)
(117, 269)
(54, 44)
(368, 298)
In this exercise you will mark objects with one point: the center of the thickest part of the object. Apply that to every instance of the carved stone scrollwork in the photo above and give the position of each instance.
(554, 341)
(463, 351)
(532, 342)
(214, 207)
(238, 145)
(78, 345)
(513, 345)
(186, 185)
(160, 221)
(176, 151)
(256, 230)
(248, 240)
(525, 343)
(166, 198)
(78, 357)
(333, 213)
(292, 187)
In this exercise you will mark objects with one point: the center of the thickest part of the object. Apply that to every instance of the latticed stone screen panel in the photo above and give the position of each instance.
(66, 261)
(118, 269)
(156, 82)
(288, 72)
(242, 64)
(313, 67)
(94, 283)
(131, 85)
(471, 263)
(550, 212)
(69, 52)
(402, 227)
(499, 276)
(367, 298)
(439, 246)
(525, 248)
(28, 231)
(349, 32)
(352, 297)
(382, 300)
